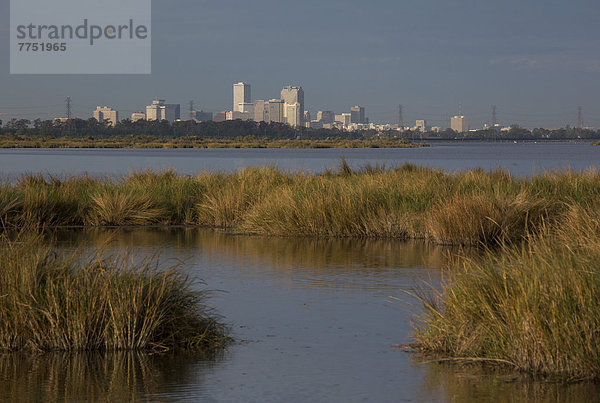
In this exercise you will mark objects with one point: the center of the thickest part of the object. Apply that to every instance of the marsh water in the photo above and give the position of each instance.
(313, 319)
(520, 159)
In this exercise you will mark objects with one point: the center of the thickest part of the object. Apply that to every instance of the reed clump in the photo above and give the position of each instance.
(406, 202)
(119, 208)
(488, 219)
(51, 302)
(533, 306)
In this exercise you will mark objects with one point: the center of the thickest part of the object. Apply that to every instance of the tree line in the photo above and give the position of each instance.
(235, 129)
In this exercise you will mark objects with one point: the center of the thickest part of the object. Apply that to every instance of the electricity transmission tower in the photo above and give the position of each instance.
(400, 118)
(68, 101)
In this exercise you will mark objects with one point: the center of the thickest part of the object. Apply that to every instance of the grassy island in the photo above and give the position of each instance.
(50, 302)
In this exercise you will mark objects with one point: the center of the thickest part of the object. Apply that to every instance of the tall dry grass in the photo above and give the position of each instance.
(488, 219)
(120, 208)
(533, 306)
(406, 202)
(50, 302)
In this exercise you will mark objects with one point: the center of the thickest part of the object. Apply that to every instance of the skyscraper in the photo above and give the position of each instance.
(260, 111)
(242, 94)
(358, 114)
(276, 110)
(293, 114)
(153, 111)
(459, 124)
(292, 95)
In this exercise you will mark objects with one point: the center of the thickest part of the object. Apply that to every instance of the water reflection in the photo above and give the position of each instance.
(314, 262)
(278, 251)
(111, 377)
(475, 383)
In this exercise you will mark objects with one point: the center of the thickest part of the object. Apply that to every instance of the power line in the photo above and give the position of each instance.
(580, 117)
(494, 120)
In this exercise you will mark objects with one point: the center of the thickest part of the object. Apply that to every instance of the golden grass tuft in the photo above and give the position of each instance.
(50, 302)
(533, 305)
(123, 208)
(488, 219)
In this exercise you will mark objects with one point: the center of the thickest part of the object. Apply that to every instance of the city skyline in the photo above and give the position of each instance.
(290, 109)
(537, 65)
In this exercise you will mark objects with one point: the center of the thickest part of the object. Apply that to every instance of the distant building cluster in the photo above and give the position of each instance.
(289, 108)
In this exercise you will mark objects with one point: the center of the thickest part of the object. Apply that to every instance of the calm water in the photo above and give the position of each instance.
(313, 320)
(521, 159)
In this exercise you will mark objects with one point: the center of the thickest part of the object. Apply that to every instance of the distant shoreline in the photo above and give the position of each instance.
(152, 142)
(143, 142)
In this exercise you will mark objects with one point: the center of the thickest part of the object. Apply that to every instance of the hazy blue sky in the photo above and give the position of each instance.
(536, 60)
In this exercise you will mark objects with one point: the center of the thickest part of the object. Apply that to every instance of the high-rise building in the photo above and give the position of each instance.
(275, 111)
(358, 114)
(459, 124)
(325, 117)
(260, 111)
(242, 94)
(136, 116)
(293, 114)
(292, 95)
(105, 114)
(153, 111)
(161, 111)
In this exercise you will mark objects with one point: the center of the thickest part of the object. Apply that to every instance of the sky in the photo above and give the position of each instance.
(536, 60)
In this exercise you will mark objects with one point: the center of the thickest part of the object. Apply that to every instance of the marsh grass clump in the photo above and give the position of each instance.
(488, 219)
(119, 208)
(51, 302)
(227, 198)
(533, 306)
